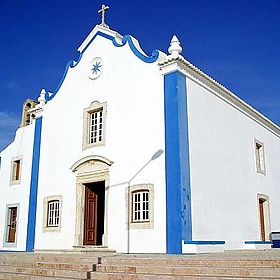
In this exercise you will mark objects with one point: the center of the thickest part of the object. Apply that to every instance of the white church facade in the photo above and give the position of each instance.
(139, 154)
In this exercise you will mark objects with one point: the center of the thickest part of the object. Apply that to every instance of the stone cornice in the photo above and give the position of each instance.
(179, 63)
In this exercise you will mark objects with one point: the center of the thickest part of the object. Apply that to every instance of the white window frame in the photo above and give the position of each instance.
(52, 223)
(99, 126)
(144, 221)
(16, 168)
(260, 157)
(140, 206)
(53, 213)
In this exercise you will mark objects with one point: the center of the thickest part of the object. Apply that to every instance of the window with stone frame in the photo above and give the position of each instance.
(141, 206)
(260, 158)
(16, 166)
(52, 209)
(11, 225)
(94, 125)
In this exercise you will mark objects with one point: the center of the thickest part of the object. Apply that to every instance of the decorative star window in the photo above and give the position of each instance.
(96, 68)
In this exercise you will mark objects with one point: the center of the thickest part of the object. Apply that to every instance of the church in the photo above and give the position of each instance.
(138, 153)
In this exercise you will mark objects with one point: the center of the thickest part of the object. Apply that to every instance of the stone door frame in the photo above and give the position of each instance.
(90, 169)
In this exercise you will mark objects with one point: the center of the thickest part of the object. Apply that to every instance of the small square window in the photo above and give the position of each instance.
(260, 159)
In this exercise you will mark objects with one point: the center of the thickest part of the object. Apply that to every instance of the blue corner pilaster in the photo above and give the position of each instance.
(178, 200)
(30, 238)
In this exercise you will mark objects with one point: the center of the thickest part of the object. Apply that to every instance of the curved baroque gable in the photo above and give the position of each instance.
(132, 42)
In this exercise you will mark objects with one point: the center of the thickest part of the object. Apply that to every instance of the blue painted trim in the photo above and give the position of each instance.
(11, 251)
(30, 238)
(276, 244)
(70, 64)
(178, 199)
(258, 242)
(204, 242)
(147, 59)
(125, 39)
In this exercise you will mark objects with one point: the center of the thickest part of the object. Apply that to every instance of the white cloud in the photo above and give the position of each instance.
(9, 122)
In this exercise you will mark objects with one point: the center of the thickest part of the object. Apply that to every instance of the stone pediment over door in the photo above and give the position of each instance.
(91, 166)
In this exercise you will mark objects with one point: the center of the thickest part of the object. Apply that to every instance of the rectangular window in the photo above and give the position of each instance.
(96, 126)
(260, 159)
(53, 213)
(52, 210)
(16, 166)
(140, 206)
(16, 170)
(11, 225)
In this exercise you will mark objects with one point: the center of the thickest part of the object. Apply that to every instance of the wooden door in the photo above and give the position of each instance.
(90, 219)
(12, 224)
(262, 223)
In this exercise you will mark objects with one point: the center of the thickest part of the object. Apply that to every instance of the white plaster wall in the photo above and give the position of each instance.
(224, 181)
(133, 91)
(17, 194)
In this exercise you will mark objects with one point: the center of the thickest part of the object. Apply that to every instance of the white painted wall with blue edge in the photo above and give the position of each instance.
(16, 194)
(133, 90)
(224, 181)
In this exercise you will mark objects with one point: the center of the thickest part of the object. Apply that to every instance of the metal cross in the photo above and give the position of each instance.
(103, 9)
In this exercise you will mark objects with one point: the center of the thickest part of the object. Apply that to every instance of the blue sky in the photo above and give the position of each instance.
(235, 42)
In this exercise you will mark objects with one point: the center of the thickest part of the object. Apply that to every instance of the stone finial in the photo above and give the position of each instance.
(41, 98)
(175, 47)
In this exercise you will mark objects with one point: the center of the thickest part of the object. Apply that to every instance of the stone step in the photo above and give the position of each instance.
(51, 266)
(16, 276)
(48, 265)
(183, 261)
(63, 258)
(132, 276)
(78, 274)
(190, 270)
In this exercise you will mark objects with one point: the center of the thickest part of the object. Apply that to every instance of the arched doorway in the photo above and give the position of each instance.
(92, 181)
